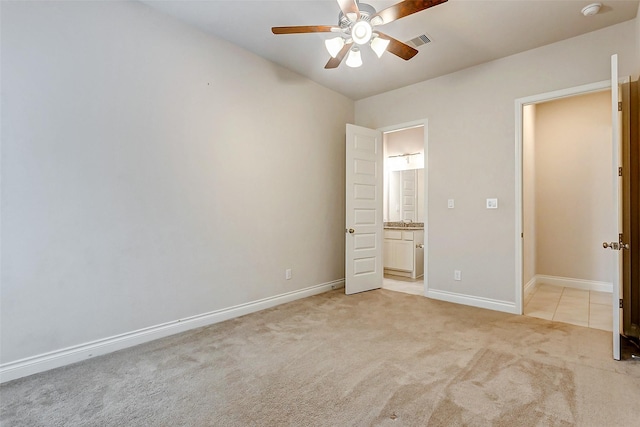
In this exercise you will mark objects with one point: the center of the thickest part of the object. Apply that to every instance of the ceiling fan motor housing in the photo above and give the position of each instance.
(366, 12)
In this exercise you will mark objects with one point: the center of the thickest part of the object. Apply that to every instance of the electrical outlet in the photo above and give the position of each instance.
(492, 203)
(457, 275)
(287, 274)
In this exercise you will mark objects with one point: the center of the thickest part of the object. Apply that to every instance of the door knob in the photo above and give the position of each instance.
(351, 231)
(616, 246)
(420, 246)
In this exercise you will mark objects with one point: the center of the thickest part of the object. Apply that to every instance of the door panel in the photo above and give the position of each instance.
(617, 205)
(364, 224)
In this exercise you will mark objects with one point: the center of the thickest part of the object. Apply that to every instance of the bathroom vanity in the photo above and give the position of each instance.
(404, 250)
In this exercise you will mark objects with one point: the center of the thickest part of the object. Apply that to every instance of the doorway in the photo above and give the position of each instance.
(405, 207)
(567, 188)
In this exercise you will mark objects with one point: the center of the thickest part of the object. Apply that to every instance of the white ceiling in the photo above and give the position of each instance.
(464, 33)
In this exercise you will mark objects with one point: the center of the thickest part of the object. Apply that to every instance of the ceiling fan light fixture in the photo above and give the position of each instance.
(376, 20)
(361, 32)
(352, 16)
(379, 45)
(334, 46)
(354, 60)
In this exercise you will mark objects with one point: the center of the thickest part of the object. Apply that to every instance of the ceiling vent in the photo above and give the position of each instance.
(419, 41)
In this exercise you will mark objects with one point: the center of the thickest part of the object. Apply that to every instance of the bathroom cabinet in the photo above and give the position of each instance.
(403, 254)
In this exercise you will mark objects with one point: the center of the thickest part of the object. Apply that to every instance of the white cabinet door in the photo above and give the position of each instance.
(404, 255)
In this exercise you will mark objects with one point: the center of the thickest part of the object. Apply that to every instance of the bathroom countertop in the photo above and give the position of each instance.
(403, 225)
(403, 228)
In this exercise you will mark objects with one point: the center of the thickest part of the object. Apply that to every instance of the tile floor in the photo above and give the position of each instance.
(568, 305)
(591, 309)
(403, 284)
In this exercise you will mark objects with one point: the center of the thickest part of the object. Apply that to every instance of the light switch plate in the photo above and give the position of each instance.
(450, 204)
(492, 203)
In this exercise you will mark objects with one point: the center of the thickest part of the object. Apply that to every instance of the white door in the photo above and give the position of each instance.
(364, 227)
(617, 205)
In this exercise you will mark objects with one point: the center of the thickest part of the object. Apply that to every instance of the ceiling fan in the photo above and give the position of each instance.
(356, 27)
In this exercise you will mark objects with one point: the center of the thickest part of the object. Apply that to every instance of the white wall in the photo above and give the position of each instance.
(151, 172)
(573, 187)
(472, 153)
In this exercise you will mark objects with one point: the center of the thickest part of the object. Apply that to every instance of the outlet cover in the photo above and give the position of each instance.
(492, 203)
(287, 274)
(457, 275)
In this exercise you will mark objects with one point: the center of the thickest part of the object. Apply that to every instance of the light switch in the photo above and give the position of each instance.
(492, 203)
(450, 204)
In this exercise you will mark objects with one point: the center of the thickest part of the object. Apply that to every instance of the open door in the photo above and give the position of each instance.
(618, 244)
(364, 227)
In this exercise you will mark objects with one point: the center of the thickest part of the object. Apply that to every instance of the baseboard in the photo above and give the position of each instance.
(568, 282)
(491, 304)
(55, 359)
(530, 286)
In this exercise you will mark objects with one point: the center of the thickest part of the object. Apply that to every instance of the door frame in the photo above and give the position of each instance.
(519, 212)
(425, 126)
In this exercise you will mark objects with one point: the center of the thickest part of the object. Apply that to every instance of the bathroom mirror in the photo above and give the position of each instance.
(404, 164)
(404, 196)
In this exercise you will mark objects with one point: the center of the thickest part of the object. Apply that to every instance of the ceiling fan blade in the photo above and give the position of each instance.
(334, 62)
(404, 8)
(298, 29)
(398, 48)
(349, 8)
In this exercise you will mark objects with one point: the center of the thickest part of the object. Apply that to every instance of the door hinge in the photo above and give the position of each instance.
(619, 105)
(522, 235)
(620, 171)
(621, 303)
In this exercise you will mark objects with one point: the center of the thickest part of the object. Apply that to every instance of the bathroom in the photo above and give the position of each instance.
(404, 210)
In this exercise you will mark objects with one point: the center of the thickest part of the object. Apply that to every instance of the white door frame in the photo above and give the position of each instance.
(425, 125)
(519, 105)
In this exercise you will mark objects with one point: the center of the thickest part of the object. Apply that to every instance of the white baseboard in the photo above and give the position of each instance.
(568, 282)
(530, 286)
(55, 359)
(491, 304)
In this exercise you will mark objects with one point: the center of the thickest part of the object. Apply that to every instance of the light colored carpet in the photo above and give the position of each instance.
(376, 358)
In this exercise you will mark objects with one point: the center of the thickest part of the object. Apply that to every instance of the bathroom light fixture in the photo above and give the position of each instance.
(591, 9)
(406, 154)
(354, 60)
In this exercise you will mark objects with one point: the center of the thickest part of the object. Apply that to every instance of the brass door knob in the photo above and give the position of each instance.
(611, 245)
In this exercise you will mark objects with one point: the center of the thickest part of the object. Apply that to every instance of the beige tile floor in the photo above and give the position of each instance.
(591, 309)
(568, 305)
(403, 284)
